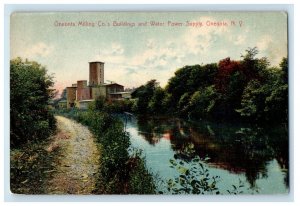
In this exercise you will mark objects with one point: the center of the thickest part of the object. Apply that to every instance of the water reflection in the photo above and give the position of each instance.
(242, 149)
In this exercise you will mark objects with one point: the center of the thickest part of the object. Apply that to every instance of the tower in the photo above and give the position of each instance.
(96, 73)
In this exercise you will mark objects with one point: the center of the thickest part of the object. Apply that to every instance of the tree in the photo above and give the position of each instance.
(178, 84)
(266, 98)
(233, 79)
(201, 76)
(247, 88)
(30, 92)
(226, 68)
(203, 103)
(277, 101)
(253, 67)
(144, 94)
(155, 105)
(99, 103)
(277, 104)
(188, 80)
(284, 68)
(230, 82)
(183, 104)
(253, 100)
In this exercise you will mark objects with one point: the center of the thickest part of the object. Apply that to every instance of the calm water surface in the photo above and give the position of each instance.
(256, 156)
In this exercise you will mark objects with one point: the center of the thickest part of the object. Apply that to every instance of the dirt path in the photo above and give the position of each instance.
(78, 163)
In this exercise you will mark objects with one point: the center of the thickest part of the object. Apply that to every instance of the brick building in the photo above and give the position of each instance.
(82, 93)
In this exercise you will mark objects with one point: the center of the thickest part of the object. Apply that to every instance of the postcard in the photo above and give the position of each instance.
(165, 103)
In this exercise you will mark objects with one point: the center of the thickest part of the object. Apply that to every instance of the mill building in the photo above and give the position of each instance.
(81, 93)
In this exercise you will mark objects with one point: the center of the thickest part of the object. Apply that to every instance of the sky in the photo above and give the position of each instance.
(135, 52)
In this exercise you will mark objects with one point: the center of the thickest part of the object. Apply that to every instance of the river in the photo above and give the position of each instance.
(256, 156)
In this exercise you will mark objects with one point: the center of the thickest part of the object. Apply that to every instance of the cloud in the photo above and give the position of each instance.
(199, 40)
(113, 49)
(40, 49)
(273, 50)
(156, 55)
(159, 59)
(130, 70)
(117, 49)
(112, 53)
(240, 39)
(156, 61)
(275, 53)
(264, 42)
(223, 53)
(133, 77)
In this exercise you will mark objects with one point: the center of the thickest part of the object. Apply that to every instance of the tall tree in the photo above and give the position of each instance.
(30, 92)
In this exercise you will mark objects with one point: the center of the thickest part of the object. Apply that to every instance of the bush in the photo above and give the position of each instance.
(194, 179)
(119, 172)
(30, 92)
(141, 181)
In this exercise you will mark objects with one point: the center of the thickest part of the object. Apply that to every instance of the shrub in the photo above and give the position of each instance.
(193, 179)
(30, 92)
(119, 172)
(141, 181)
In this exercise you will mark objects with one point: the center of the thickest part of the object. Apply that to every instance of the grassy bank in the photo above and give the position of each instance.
(120, 173)
(31, 124)
(30, 167)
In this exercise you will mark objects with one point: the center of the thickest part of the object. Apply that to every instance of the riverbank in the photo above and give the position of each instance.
(120, 172)
(242, 158)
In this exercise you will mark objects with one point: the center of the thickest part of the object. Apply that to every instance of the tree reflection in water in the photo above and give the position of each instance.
(236, 148)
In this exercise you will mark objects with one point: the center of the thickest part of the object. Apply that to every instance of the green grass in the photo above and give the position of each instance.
(120, 173)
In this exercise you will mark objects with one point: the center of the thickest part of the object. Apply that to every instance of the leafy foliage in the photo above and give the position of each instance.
(188, 80)
(267, 99)
(145, 94)
(236, 190)
(120, 173)
(247, 90)
(155, 104)
(30, 92)
(203, 103)
(253, 100)
(100, 104)
(141, 181)
(226, 68)
(194, 178)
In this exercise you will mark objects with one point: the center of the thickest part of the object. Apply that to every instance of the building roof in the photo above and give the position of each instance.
(113, 84)
(97, 62)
